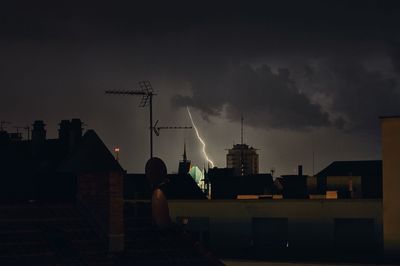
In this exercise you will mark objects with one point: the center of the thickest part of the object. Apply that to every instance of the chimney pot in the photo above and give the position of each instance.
(300, 170)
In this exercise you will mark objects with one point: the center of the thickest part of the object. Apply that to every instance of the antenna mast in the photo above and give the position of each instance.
(313, 173)
(241, 130)
(241, 146)
(157, 129)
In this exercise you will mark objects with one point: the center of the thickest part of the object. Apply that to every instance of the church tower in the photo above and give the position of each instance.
(184, 165)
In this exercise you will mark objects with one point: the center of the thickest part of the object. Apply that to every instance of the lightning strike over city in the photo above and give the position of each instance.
(297, 101)
(200, 139)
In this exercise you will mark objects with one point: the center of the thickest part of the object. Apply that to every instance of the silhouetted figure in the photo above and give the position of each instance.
(156, 174)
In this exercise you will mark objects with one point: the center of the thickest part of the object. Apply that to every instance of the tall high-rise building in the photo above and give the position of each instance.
(242, 158)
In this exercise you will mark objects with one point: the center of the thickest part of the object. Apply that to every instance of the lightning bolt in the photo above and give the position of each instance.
(200, 139)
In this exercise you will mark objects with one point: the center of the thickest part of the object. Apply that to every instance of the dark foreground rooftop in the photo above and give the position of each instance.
(61, 234)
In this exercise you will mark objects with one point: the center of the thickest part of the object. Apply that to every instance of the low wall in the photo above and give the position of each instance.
(311, 224)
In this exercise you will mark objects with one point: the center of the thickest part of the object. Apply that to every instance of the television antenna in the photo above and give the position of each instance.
(146, 91)
(157, 129)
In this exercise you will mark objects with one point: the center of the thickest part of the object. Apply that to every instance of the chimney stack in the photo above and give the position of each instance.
(300, 170)
(38, 137)
(75, 133)
(63, 131)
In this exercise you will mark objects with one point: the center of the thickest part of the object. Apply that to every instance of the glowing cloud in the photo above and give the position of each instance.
(200, 139)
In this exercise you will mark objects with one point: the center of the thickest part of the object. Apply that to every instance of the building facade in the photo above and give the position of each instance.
(352, 179)
(391, 184)
(300, 229)
(243, 159)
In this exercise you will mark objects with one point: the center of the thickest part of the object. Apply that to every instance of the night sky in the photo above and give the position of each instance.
(308, 76)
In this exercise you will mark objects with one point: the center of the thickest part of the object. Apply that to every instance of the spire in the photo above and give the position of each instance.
(185, 164)
(184, 151)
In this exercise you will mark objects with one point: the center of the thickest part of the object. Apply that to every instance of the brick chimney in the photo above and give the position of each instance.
(300, 170)
(75, 134)
(63, 131)
(38, 137)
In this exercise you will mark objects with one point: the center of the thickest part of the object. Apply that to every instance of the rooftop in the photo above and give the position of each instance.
(354, 168)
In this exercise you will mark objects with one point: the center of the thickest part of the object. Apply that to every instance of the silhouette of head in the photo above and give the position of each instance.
(156, 171)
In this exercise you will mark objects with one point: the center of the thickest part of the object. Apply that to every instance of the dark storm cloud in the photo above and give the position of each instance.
(265, 98)
(103, 20)
(394, 53)
(224, 58)
(213, 45)
(358, 95)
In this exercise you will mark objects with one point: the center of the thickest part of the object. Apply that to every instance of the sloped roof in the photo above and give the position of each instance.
(184, 187)
(355, 168)
(18, 156)
(92, 155)
(181, 186)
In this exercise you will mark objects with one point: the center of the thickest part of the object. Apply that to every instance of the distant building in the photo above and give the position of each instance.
(295, 186)
(352, 179)
(183, 186)
(312, 185)
(185, 164)
(185, 167)
(243, 159)
(226, 185)
(365, 228)
(293, 229)
(197, 175)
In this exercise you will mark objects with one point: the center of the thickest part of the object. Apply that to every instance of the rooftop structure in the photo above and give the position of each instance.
(352, 179)
(242, 158)
(184, 164)
(62, 203)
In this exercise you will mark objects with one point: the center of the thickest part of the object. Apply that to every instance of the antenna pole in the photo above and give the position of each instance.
(241, 130)
(146, 91)
(313, 173)
(151, 125)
